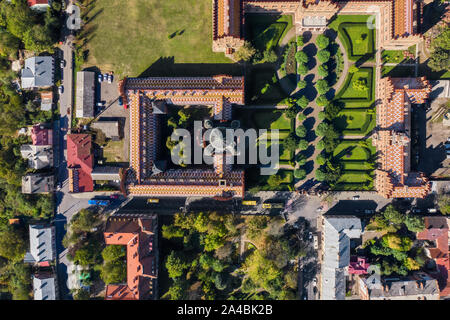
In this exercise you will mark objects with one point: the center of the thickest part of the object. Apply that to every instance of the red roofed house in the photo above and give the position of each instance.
(436, 231)
(358, 265)
(41, 136)
(40, 5)
(139, 235)
(80, 162)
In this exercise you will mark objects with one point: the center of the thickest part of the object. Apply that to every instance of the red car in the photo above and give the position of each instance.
(114, 196)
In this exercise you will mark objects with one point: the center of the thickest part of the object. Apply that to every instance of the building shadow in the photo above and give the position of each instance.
(166, 67)
(352, 207)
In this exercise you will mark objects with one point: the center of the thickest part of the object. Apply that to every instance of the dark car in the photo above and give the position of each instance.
(120, 101)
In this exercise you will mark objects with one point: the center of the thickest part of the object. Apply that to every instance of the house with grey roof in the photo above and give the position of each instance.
(45, 286)
(108, 127)
(85, 95)
(108, 173)
(39, 157)
(419, 286)
(38, 72)
(338, 231)
(33, 183)
(42, 244)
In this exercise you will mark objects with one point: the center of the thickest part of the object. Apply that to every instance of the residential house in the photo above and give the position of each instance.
(80, 162)
(46, 101)
(109, 128)
(33, 183)
(419, 286)
(436, 233)
(41, 135)
(38, 73)
(39, 157)
(39, 5)
(338, 232)
(45, 286)
(108, 173)
(42, 244)
(139, 235)
(85, 95)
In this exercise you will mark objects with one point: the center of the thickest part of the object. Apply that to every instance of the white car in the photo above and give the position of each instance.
(110, 78)
(100, 78)
(314, 281)
(63, 63)
(316, 242)
(356, 197)
(60, 89)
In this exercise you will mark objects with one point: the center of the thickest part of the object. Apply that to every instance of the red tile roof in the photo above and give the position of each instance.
(35, 2)
(137, 234)
(41, 136)
(393, 177)
(80, 162)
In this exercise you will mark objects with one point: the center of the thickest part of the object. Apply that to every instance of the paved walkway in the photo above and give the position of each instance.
(337, 86)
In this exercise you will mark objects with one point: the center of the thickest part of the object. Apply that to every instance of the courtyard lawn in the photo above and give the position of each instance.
(357, 38)
(263, 86)
(355, 121)
(392, 56)
(129, 36)
(365, 74)
(284, 154)
(358, 150)
(113, 151)
(264, 31)
(267, 119)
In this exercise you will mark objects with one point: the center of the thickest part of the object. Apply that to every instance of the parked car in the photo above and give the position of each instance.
(99, 104)
(63, 63)
(110, 78)
(314, 282)
(120, 101)
(316, 242)
(114, 196)
(416, 210)
(105, 77)
(369, 211)
(310, 236)
(60, 89)
(356, 197)
(432, 210)
(100, 78)
(319, 209)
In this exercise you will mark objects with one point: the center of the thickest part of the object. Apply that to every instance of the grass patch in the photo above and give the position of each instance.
(272, 120)
(264, 31)
(263, 86)
(139, 32)
(113, 151)
(358, 40)
(350, 92)
(392, 56)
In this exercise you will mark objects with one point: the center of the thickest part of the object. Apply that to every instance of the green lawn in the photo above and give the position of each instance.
(357, 38)
(267, 119)
(356, 157)
(285, 154)
(263, 86)
(392, 56)
(350, 92)
(355, 121)
(349, 150)
(129, 36)
(265, 30)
